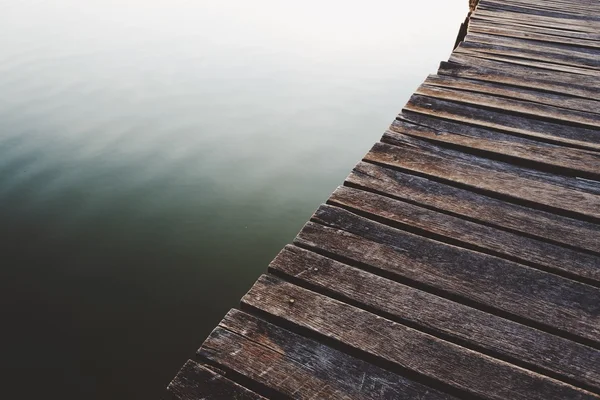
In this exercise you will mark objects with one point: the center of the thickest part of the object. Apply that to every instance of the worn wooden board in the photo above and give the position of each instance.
(533, 78)
(511, 290)
(530, 34)
(546, 105)
(477, 207)
(454, 230)
(404, 347)
(545, 58)
(557, 132)
(548, 34)
(194, 382)
(495, 336)
(497, 178)
(577, 162)
(296, 367)
(508, 55)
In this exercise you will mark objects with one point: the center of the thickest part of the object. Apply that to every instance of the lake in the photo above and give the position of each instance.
(156, 155)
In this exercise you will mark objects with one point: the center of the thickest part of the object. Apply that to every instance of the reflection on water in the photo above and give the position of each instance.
(156, 155)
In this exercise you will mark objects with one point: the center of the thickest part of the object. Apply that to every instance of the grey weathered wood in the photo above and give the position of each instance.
(477, 207)
(548, 105)
(514, 32)
(538, 254)
(196, 382)
(579, 162)
(447, 89)
(536, 129)
(498, 178)
(547, 58)
(582, 39)
(300, 368)
(405, 347)
(508, 55)
(491, 282)
(561, 23)
(441, 317)
(502, 73)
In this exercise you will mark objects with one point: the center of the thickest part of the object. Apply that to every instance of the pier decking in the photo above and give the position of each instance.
(461, 256)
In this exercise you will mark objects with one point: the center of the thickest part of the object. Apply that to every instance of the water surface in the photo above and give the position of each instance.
(156, 155)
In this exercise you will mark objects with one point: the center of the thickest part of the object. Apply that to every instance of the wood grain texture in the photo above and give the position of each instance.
(301, 368)
(510, 74)
(577, 162)
(405, 347)
(497, 178)
(492, 282)
(194, 382)
(510, 98)
(444, 318)
(509, 56)
(454, 230)
(545, 58)
(476, 207)
(535, 129)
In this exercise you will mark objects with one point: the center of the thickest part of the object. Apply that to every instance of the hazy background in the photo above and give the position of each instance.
(156, 155)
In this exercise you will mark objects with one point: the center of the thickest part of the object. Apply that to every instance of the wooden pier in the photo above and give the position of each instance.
(461, 256)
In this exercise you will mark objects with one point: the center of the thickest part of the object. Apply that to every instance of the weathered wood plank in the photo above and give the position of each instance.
(301, 368)
(574, 9)
(470, 327)
(407, 348)
(546, 58)
(558, 193)
(535, 129)
(196, 382)
(587, 56)
(583, 39)
(579, 162)
(561, 23)
(510, 289)
(551, 105)
(476, 207)
(510, 56)
(507, 74)
(454, 230)
(512, 32)
(539, 13)
(466, 92)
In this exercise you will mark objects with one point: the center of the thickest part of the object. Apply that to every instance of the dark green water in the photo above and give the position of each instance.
(155, 156)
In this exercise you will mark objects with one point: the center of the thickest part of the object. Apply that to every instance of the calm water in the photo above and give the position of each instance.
(156, 155)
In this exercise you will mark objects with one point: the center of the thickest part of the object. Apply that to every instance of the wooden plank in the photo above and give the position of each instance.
(586, 138)
(578, 162)
(588, 54)
(449, 320)
(511, 290)
(561, 23)
(405, 347)
(536, 188)
(512, 56)
(511, 32)
(454, 230)
(477, 207)
(471, 92)
(501, 73)
(547, 53)
(574, 9)
(585, 39)
(581, 109)
(300, 368)
(483, 16)
(194, 381)
(569, 17)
